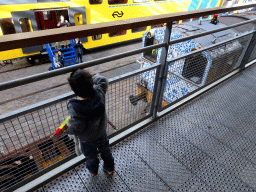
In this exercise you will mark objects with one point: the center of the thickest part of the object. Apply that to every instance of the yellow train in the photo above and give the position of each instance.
(33, 15)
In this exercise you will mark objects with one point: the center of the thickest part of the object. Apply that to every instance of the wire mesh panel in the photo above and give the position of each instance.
(28, 142)
(128, 101)
(197, 70)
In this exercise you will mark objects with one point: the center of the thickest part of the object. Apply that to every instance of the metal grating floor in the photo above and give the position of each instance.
(208, 144)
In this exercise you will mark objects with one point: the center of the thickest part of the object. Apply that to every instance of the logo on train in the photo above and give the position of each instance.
(118, 14)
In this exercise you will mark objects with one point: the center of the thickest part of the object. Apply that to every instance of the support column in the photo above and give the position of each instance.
(248, 51)
(160, 85)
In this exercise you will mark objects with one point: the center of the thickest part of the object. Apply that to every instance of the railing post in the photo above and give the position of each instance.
(247, 51)
(160, 85)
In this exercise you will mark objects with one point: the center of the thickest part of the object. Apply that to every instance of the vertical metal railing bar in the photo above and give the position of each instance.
(239, 62)
(163, 71)
(153, 101)
(248, 52)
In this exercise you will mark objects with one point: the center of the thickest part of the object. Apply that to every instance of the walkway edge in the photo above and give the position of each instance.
(51, 174)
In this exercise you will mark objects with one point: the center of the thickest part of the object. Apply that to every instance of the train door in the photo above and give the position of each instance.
(48, 19)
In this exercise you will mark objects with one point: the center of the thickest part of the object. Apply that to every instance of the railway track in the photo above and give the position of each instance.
(109, 73)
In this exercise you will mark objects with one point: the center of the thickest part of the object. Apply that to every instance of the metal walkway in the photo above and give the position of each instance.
(207, 145)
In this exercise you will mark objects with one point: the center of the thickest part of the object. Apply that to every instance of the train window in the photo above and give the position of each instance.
(117, 1)
(97, 37)
(25, 24)
(140, 1)
(156, 26)
(95, 1)
(123, 32)
(78, 19)
(194, 68)
(151, 54)
(135, 30)
(7, 26)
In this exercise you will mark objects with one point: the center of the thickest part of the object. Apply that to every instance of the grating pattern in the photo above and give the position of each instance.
(186, 150)
(102, 182)
(70, 181)
(135, 172)
(166, 166)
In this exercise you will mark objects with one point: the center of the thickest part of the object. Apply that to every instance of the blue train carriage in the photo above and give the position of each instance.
(192, 72)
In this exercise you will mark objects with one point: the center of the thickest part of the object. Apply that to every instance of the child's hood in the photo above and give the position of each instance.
(91, 108)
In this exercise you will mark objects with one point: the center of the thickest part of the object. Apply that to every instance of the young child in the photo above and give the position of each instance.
(56, 61)
(88, 119)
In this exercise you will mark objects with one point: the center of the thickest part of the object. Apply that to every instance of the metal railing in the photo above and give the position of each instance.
(27, 148)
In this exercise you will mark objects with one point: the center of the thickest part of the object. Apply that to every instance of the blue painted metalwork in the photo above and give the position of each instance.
(69, 54)
(176, 85)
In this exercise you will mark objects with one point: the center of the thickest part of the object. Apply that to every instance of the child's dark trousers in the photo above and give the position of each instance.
(90, 150)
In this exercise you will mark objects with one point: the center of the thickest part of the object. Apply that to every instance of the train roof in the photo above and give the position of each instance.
(194, 27)
(240, 17)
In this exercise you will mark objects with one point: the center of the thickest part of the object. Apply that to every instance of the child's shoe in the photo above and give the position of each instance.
(110, 173)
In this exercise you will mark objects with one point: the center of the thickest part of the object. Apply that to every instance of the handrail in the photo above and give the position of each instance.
(27, 39)
(45, 75)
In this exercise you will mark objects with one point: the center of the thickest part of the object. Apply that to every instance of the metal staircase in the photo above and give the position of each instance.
(68, 53)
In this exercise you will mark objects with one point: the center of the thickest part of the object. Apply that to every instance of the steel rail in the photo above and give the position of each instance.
(112, 80)
(46, 75)
(27, 39)
(49, 102)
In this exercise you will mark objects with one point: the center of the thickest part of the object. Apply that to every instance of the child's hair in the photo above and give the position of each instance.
(81, 83)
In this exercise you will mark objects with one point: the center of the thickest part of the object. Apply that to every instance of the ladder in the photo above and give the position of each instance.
(68, 53)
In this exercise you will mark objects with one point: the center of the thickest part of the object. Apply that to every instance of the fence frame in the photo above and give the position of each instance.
(15, 41)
